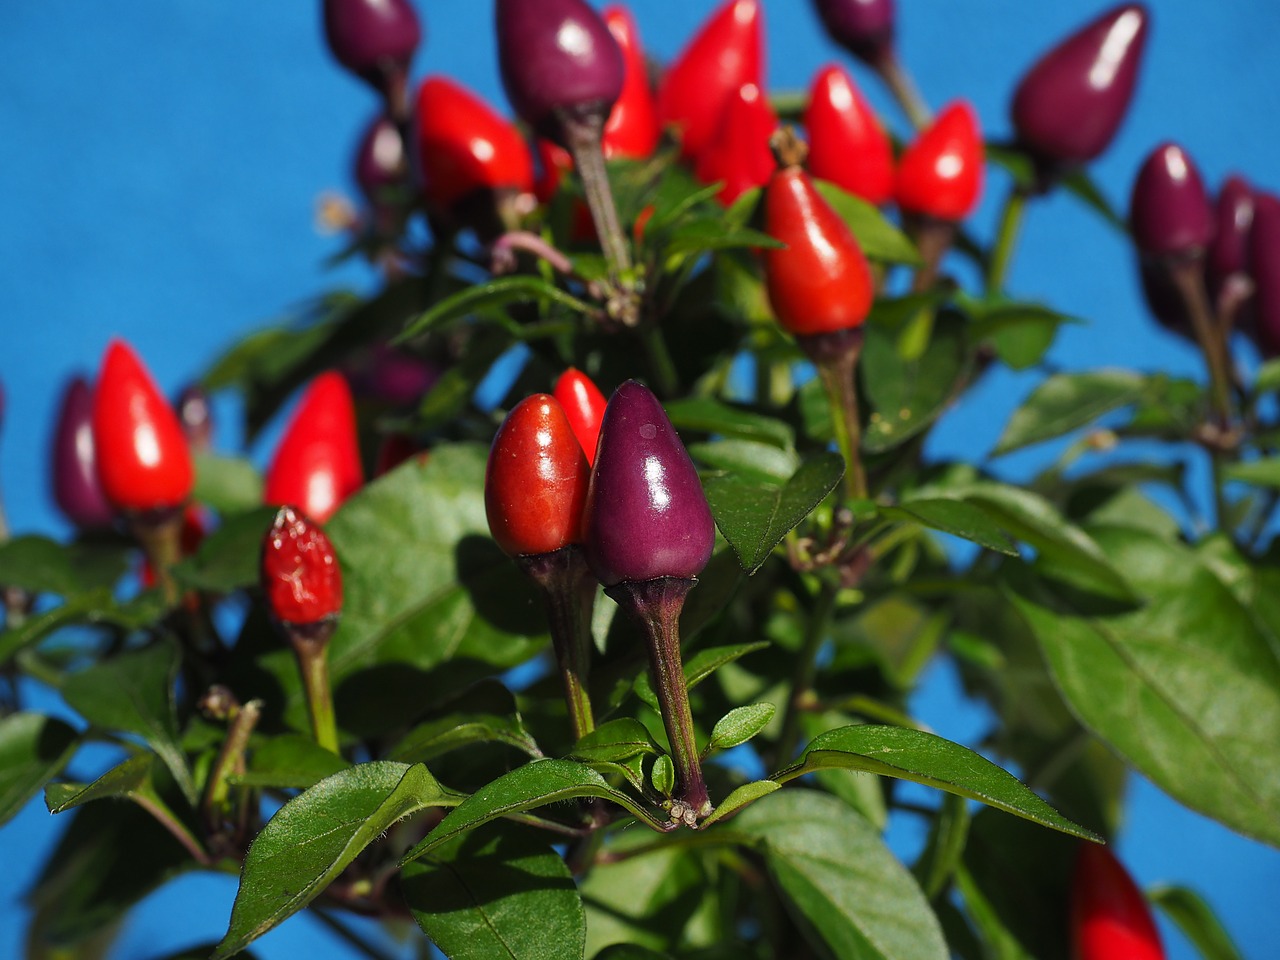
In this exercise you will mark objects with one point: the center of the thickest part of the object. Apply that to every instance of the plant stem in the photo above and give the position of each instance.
(160, 534)
(933, 239)
(904, 90)
(665, 380)
(806, 668)
(350, 937)
(1188, 277)
(836, 357)
(311, 646)
(1006, 239)
(569, 592)
(655, 605)
(230, 760)
(177, 829)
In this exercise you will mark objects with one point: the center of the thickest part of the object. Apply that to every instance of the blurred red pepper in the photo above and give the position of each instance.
(847, 145)
(940, 175)
(739, 156)
(583, 405)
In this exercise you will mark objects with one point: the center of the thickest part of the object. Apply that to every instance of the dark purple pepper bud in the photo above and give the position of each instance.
(1169, 211)
(374, 39)
(1264, 257)
(382, 166)
(559, 61)
(1164, 301)
(76, 488)
(1069, 105)
(392, 376)
(863, 27)
(646, 514)
(196, 416)
(1229, 251)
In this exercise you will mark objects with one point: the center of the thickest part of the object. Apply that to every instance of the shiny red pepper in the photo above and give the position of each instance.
(317, 465)
(535, 484)
(584, 405)
(820, 281)
(847, 145)
(143, 460)
(726, 54)
(1110, 919)
(300, 574)
(940, 175)
(464, 146)
(739, 156)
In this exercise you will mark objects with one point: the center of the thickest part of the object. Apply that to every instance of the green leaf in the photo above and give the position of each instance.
(947, 836)
(649, 901)
(227, 484)
(437, 737)
(1197, 921)
(494, 295)
(536, 784)
(663, 775)
(95, 607)
(909, 394)
(754, 517)
(698, 667)
(1020, 333)
(630, 951)
(1261, 473)
(928, 759)
(229, 558)
(707, 415)
(313, 837)
(956, 517)
(33, 750)
(739, 725)
(503, 896)
(706, 234)
(742, 796)
(839, 880)
(1268, 378)
(878, 238)
(1067, 401)
(616, 741)
(40, 565)
(132, 776)
(1079, 183)
(1186, 687)
(134, 693)
(288, 761)
(757, 462)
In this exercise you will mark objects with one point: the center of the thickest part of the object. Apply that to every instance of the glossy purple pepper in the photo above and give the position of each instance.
(646, 515)
(381, 164)
(1069, 105)
(1169, 210)
(863, 27)
(558, 60)
(1264, 256)
(374, 39)
(76, 488)
(196, 417)
(1233, 221)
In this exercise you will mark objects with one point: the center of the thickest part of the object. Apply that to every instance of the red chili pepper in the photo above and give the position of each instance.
(535, 484)
(300, 573)
(726, 54)
(464, 146)
(583, 405)
(940, 175)
(632, 128)
(847, 145)
(317, 465)
(394, 450)
(143, 460)
(819, 282)
(739, 156)
(1110, 919)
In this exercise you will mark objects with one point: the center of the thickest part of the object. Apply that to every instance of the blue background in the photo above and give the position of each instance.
(161, 162)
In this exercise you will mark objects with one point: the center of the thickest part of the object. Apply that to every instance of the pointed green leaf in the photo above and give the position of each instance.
(536, 784)
(742, 796)
(1068, 401)
(925, 758)
(956, 517)
(1261, 473)
(1197, 921)
(878, 238)
(288, 761)
(616, 740)
(485, 298)
(33, 750)
(313, 838)
(707, 415)
(663, 775)
(503, 896)
(739, 725)
(839, 879)
(123, 780)
(227, 484)
(228, 558)
(41, 565)
(698, 667)
(754, 517)
(134, 693)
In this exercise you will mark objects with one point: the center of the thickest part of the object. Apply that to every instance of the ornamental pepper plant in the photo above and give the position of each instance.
(568, 592)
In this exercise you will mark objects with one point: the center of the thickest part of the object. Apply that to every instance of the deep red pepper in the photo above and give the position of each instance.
(583, 405)
(739, 156)
(535, 483)
(940, 175)
(301, 577)
(847, 145)
(820, 282)
(464, 146)
(143, 460)
(1110, 919)
(725, 55)
(317, 464)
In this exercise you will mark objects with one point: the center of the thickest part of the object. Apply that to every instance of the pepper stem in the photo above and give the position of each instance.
(836, 357)
(788, 149)
(569, 592)
(1188, 276)
(310, 642)
(655, 605)
(933, 239)
(1002, 254)
(160, 534)
(904, 90)
(215, 806)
